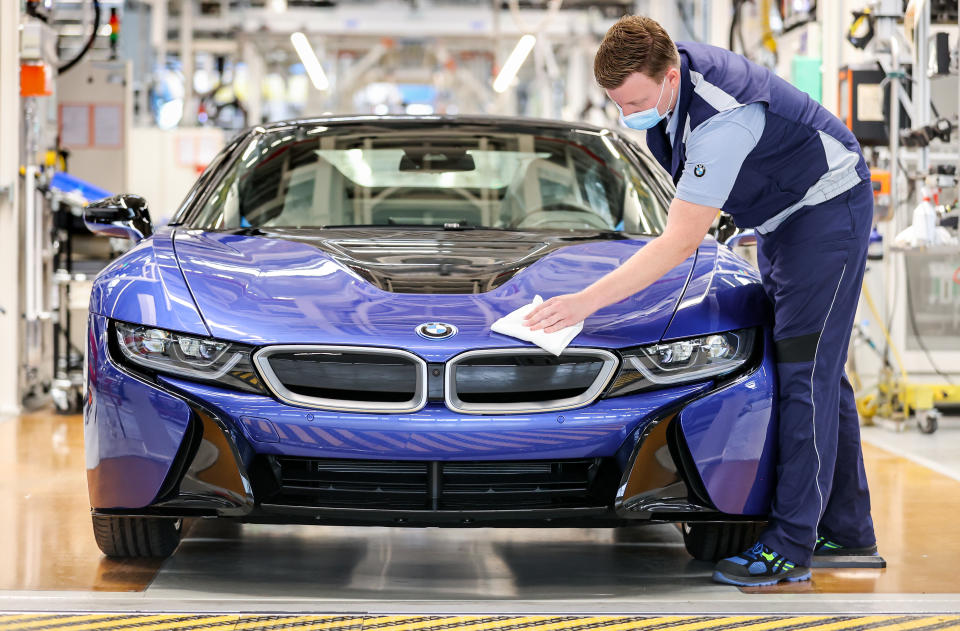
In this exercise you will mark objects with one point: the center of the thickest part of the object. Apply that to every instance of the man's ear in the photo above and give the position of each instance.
(675, 72)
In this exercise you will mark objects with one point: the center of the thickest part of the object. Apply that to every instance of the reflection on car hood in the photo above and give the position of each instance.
(433, 260)
(374, 286)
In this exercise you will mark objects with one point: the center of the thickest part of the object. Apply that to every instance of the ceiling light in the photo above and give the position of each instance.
(310, 62)
(513, 63)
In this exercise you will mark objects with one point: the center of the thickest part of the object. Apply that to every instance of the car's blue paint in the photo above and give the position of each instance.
(731, 434)
(724, 293)
(145, 286)
(131, 430)
(242, 282)
(436, 433)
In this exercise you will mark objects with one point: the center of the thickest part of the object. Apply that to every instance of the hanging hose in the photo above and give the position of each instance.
(86, 47)
(31, 9)
(883, 329)
(743, 43)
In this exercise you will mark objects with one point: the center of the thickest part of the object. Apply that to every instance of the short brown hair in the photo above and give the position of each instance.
(634, 44)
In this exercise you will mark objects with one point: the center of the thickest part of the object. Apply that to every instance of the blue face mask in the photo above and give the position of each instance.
(646, 118)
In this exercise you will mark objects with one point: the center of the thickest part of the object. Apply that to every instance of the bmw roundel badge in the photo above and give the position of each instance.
(436, 330)
(699, 170)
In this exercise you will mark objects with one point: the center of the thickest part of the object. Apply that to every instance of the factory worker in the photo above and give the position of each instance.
(737, 138)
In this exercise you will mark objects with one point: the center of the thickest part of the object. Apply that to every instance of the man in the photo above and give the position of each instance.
(737, 138)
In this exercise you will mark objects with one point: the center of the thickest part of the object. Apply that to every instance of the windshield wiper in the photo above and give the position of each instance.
(463, 225)
(248, 231)
(451, 225)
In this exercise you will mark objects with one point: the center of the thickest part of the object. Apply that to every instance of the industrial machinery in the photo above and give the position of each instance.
(904, 112)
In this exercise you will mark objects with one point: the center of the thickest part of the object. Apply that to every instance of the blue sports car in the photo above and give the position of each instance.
(308, 341)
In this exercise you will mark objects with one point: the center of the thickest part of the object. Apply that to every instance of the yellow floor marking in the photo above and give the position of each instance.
(419, 624)
(743, 621)
(67, 619)
(573, 622)
(314, 622)
(857, 621)
(383, 619)
(921, 622)
(413, 619)
(326, 625)
(576, 622)
(409, 623)
(163, 623)
(694, 623)
(889, 621)
(205, 620)
(265, 622)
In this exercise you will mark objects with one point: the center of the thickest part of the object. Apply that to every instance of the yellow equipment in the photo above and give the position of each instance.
(895, 396)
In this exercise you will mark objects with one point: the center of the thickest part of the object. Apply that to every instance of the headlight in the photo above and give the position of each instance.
(682, 361)
(180, 355)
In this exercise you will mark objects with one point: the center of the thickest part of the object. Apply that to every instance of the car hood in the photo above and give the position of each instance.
(375, 286)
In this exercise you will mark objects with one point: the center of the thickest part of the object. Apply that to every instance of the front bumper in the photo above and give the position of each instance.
(177, 447)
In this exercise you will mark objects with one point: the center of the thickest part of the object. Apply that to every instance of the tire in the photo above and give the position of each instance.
(928, 422)
(712, 542)
(126, 537)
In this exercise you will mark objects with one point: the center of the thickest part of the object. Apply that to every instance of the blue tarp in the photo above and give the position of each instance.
(69, 184)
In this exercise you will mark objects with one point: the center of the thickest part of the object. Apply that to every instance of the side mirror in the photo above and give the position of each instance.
(744, 237)
(119, 216)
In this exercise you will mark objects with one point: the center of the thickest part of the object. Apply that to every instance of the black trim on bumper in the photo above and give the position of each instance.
(534, 518)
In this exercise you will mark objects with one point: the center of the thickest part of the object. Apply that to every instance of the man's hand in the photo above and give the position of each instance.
(559, 312)
(686, 226)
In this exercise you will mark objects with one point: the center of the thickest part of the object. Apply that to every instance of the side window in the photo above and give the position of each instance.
(645, 211)
(208, 174)
(643, 207)
(220, 205)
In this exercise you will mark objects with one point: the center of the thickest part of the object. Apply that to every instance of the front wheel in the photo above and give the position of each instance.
(127, 537)
(712, 542)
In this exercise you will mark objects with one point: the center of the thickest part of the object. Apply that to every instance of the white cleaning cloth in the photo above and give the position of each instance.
(512, 325)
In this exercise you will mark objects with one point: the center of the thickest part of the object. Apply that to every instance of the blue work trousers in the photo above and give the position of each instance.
(812, 267)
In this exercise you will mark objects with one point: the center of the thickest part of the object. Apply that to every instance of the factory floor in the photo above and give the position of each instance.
(227, 576)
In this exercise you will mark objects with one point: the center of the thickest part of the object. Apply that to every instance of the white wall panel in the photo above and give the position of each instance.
(9, 223)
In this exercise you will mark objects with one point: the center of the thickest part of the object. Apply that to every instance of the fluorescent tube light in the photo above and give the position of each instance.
(310, 62)
(513, 63)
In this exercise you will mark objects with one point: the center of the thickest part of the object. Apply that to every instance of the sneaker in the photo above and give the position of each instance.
(826, 548)
(759, 566)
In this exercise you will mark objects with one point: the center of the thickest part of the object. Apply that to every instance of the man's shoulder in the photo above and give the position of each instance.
(749, 115)
(750, 118)
(700, 50)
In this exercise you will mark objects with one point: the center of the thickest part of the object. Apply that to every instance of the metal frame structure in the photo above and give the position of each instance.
(910, 389)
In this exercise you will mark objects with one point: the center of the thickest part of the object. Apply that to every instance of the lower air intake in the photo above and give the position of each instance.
(402, 485)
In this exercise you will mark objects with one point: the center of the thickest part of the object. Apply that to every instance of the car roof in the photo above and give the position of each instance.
(403, 120)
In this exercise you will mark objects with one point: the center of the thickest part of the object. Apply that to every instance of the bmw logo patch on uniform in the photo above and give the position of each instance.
(436, 330)
(699, 170)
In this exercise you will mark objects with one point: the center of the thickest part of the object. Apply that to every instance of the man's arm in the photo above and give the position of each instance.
(716, 151)
(687, 224)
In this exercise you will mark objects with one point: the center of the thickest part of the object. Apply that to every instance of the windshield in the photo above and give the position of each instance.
(302, 177)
